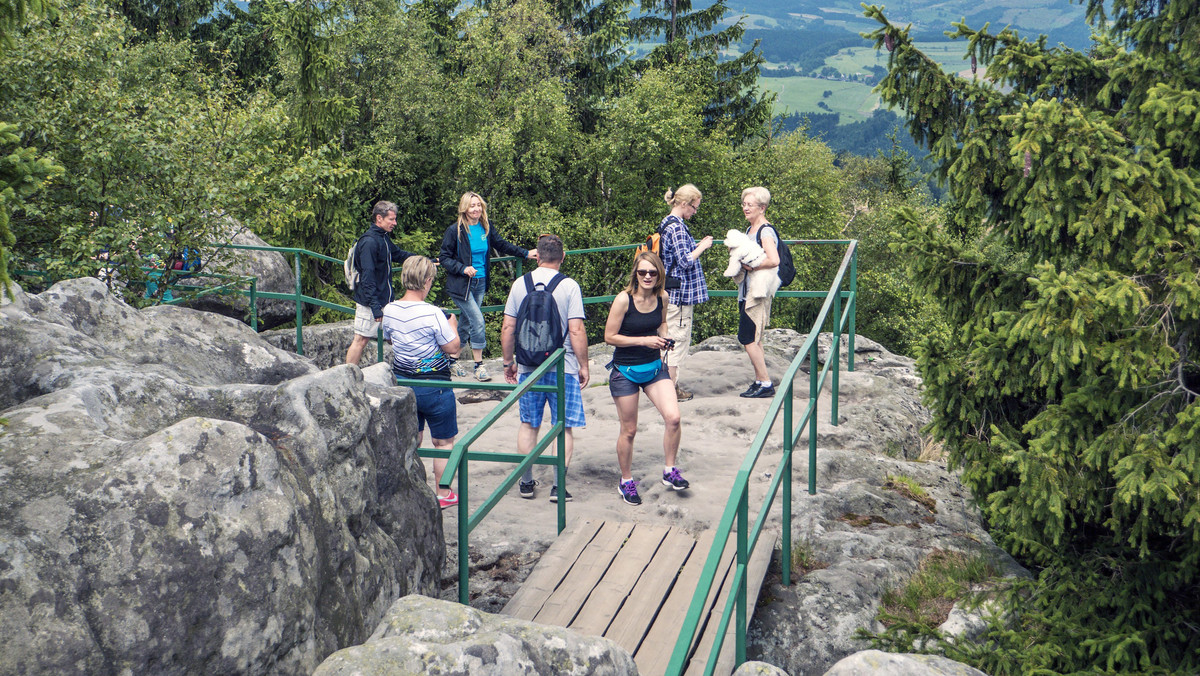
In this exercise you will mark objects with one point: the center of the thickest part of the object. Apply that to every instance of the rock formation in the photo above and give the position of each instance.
(425, 636)
(178, 496)
(273, 271)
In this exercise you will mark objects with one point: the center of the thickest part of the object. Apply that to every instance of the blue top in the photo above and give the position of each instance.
(676, 243)
(479, 249)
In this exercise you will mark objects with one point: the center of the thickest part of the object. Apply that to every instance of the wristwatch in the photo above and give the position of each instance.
(509, 364)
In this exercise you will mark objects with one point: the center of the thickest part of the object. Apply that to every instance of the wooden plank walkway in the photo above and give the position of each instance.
(633, 583)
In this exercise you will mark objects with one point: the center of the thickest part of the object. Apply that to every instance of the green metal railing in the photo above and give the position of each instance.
(460, 457)
(737, 508)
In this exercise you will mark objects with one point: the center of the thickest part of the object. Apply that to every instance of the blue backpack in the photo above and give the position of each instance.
(539, 325)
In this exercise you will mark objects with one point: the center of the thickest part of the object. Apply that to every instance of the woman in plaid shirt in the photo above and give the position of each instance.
(685, 276)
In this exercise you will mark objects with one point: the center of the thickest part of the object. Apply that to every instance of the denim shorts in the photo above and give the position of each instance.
(437, 406)
(620, 386)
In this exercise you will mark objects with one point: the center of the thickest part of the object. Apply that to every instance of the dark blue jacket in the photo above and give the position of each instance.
(456, 257)
(374, 258)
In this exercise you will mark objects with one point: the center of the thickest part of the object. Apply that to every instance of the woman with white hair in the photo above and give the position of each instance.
(755, 313)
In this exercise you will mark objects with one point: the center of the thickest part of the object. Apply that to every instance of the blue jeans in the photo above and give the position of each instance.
(470, 319)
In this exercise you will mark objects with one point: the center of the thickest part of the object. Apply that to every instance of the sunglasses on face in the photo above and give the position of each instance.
(647, 273)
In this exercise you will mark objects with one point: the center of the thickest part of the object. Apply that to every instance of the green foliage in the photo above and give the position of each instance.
(735, 104)
(1068, 389)
(155, 152)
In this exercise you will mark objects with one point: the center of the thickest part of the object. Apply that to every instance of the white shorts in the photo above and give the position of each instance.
(364, 322)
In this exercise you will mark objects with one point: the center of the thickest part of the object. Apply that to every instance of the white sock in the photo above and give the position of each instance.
(667, 469)
(764, 383)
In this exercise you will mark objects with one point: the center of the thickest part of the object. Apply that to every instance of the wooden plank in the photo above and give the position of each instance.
(566, 601)
(633, 620)
(756, 570)
(554, 565)
(654, 654)
(612, 591)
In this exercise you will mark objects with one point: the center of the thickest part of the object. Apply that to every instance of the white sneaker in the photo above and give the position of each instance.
(481, 374)
(458, 371)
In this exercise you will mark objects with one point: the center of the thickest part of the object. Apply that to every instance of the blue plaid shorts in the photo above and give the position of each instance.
(533, 404)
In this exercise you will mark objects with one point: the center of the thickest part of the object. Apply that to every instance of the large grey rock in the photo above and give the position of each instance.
(878, 663)
(178, 496)
(426, 636)
(758, 669)
(325, 344)
(273, 271)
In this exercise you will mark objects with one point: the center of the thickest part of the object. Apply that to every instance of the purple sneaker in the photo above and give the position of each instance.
(674, 480)
(628, 491)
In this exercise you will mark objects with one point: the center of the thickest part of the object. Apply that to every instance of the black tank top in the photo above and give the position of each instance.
(638, 324)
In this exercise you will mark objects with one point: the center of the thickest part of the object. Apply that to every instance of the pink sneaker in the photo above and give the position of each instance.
(448, 501)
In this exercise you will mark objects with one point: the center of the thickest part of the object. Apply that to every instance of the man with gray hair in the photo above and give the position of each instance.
(569, 300)
(374, 257)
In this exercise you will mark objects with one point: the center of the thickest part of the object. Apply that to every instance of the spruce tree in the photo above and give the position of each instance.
(737, 105)
(1070, 267)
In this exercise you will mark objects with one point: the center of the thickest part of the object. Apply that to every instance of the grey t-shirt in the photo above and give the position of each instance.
(570, 306)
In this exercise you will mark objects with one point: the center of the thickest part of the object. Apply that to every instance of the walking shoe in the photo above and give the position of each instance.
(448, 500)
(527, 489)
(554, 494)
(682, 395)
(764, 392)
(628, 491)
(481, 374)
(458, 371)
(754, 388)
(674, 480)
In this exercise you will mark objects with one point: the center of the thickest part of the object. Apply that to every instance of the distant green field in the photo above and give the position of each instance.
(852, 99)
(801, 95)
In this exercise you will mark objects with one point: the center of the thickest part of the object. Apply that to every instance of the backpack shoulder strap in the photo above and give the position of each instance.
(528, 277)
(558, 277)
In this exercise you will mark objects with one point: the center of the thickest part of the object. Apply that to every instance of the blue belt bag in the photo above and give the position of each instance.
(640, 373)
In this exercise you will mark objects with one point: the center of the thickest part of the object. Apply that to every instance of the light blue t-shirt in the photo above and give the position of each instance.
(479, 249)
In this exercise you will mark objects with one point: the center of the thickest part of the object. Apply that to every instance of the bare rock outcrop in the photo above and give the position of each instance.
(426, 636)
(178, 496)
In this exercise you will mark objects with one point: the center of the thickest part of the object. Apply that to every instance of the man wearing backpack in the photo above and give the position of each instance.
(533, 328)
(374, 256)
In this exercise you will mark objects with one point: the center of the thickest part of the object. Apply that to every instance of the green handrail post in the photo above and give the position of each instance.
(835, 354)
(788, 445)
(853, 306)
(742, 589)
(814, 391)
(560, 465)
(254, 304)
(299, 305)
(379, 343)
(464, 534)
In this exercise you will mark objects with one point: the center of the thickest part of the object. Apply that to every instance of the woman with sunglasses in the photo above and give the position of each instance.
(637, 329)
(466, 257)
(685, 276)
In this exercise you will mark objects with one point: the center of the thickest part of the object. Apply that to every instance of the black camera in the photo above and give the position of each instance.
(670, 344)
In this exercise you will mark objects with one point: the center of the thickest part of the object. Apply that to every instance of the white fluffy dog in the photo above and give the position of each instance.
(742, 249)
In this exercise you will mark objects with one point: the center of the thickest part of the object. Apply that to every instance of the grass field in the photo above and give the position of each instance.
(801, 95)
(852, 99)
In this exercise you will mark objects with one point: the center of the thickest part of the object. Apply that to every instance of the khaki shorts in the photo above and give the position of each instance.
(364, 321)
(752, 322)
(679, 329)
